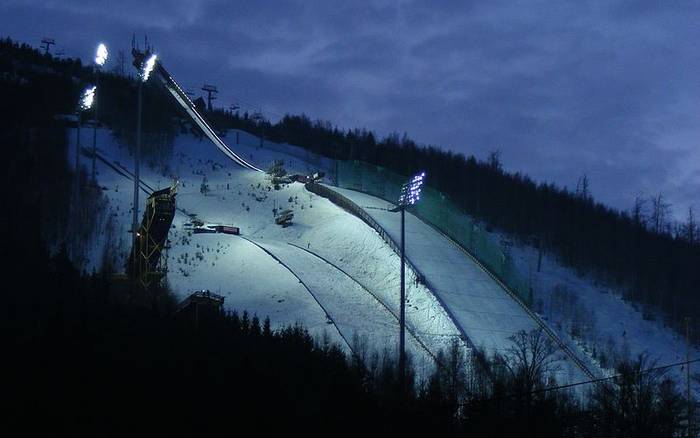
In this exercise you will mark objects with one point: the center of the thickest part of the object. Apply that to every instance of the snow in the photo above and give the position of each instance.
(235, 274)
(480, 306)
(365, 301)
(354, 311)
(362, 303)
(616, 327)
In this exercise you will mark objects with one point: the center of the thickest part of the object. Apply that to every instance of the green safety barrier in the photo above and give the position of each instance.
(436, 209)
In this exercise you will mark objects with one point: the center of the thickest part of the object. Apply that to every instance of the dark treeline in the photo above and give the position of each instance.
(34, 89)
(641, 251)
(88, 357)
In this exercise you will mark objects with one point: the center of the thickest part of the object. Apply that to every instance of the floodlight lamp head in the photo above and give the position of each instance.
(87, 98)
(148, 67)
(101, 55)
(410, 192)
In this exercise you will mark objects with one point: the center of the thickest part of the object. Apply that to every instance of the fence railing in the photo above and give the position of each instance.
(438, 210)
(355, 209)
(314, 161)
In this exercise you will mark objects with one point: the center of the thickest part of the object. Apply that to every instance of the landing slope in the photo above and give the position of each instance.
(215, 190)
(480, 306)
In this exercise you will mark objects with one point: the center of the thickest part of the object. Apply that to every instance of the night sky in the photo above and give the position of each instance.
(604, 88)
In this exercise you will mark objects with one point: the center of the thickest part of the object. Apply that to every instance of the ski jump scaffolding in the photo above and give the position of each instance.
(144, 261)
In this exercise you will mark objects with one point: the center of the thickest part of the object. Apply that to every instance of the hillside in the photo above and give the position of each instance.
(197, 270)
(645, 254)
(330, 271)
(230, 265)
(242, 268)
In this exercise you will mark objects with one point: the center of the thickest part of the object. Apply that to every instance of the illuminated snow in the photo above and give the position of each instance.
(148, 67)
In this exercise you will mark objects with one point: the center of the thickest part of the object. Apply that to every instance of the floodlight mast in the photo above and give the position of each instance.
(410, 195)
(85, 103)
(185, 101)
(101, 55)
(145, 65)
(87, 99)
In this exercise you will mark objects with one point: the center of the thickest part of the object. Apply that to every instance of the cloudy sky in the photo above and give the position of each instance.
(610, 89)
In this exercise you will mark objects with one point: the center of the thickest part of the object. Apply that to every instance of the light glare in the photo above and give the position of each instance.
(148, 67)
(101, 56)
(87, 98)
(410, 192)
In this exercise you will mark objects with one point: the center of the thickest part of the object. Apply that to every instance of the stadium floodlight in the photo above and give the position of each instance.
(148, 67)
(101, 55)
(145, 69)
(409, 195)
(410, 192)
(100, 58)
(87, 98)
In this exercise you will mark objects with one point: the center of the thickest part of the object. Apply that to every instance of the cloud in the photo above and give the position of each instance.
(562, 89)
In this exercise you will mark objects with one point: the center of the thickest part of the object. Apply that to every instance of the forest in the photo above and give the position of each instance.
(88, 357)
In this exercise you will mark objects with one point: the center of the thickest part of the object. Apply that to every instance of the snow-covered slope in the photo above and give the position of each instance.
(360, 273)
(598, 318)
(480, 307)
(346, 293)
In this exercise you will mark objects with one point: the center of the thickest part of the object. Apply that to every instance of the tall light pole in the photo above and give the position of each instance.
(100, 59)
(410, 194)
(86, 101)
(87, 98)
(145, 67)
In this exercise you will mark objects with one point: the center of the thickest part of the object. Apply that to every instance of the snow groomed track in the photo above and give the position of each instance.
(313, 295)
(411, 331)
(353, 311)
(478, 304)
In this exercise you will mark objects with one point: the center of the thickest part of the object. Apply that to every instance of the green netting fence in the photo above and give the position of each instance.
(436, 209)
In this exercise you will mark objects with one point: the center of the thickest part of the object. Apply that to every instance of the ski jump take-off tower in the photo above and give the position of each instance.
(144, 263)
(150, 238)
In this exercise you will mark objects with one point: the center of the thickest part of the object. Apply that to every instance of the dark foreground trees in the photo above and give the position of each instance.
(638, 403)
(85, 357)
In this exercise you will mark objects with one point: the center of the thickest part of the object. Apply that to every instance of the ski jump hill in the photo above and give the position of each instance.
(349, 288)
